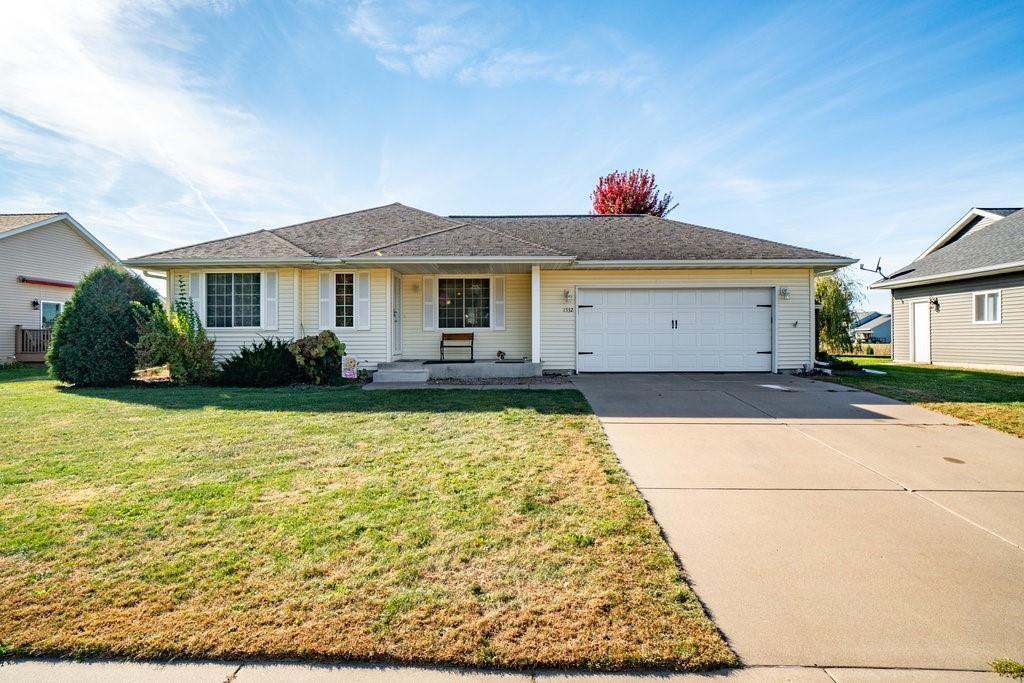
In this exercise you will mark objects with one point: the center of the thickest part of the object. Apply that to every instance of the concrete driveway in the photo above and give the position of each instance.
(826, 526)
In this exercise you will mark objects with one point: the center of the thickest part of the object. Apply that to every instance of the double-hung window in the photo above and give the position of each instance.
(986, 307)
(464, 303)
(232, 300)
(344, 299)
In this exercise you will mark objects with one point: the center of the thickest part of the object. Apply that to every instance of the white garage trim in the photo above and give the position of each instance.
(772, 289)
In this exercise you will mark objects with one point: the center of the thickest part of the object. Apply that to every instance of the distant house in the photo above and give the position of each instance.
(861, 317)
(961, 302)
(875, 329)
(42, 258)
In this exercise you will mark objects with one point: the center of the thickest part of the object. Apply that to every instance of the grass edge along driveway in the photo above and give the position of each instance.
(989, 397)
(459, 527)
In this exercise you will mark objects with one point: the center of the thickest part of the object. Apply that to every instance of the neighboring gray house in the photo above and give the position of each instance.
(873, 329)
(42, 258)
(961, 302)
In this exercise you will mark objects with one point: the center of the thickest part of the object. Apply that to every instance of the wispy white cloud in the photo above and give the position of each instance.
(467, 42)
(100, 86)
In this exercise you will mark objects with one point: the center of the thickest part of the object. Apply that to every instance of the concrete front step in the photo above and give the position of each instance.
(392, 375)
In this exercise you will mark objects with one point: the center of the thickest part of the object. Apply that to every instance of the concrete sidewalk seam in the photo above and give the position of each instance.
(968, 520)
(849, 457)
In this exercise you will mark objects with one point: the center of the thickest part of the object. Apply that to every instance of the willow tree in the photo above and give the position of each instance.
(838, 294)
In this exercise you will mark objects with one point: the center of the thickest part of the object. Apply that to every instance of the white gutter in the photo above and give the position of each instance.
(955, 275)
(567, 260)
(715, 263)
(454, 259)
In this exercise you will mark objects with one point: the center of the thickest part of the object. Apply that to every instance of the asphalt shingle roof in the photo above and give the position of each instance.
(995, 244)
(639, 237)
(873, 323)
(11, 221)
(398, 230)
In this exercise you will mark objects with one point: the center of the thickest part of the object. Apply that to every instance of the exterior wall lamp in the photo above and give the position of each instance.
(35, 304)
(934, 301)
(784, 293)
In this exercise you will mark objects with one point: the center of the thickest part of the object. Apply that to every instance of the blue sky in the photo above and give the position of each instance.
(864, 129)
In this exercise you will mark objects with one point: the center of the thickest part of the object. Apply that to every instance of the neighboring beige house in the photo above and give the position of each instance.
(961, 302)
(562, 293)
(42, 258)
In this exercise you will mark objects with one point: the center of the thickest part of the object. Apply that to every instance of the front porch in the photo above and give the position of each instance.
(425, 370)
(500, 318)
(30, 344)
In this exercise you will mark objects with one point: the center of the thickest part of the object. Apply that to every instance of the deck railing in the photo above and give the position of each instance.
(30, 344)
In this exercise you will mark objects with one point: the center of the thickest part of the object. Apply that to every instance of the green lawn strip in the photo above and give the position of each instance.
(460, 527)
(991, 398)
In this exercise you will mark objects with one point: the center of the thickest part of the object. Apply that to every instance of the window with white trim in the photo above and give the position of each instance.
(48, 312)
(344, 299)
(232, 299)
(464, 303)
(986, 307)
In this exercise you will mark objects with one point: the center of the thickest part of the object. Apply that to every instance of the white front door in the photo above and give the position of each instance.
(666, 330)
(921, 332)
(396, 315)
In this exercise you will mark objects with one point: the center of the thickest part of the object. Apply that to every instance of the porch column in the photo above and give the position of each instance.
(535, 314)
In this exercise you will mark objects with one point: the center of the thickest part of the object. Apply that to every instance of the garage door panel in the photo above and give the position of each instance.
(616, 297)
(716, 330)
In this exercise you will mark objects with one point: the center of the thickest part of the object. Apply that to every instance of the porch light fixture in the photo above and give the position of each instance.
(567, 295)
(934, 301)
(35, 304)
(784, 293)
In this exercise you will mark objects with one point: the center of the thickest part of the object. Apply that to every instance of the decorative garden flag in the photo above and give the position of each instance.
(348, 367)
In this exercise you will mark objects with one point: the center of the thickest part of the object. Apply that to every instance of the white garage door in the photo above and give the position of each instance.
(666, 330)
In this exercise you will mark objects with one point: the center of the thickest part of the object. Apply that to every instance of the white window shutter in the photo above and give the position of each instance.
(362, 302)
(197, 292)
(268, 282)
(498, 302)
(429, 303)
(326, 300)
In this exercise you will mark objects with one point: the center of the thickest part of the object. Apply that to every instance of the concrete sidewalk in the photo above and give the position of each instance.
(825, 526)
(60, 671)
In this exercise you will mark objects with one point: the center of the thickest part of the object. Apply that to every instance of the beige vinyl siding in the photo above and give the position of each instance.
(955, 338)
(793, 316)
(514, 340)
(51, 252)
(368, 346)
(228, 341)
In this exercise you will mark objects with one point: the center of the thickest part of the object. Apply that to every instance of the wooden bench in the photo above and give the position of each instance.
(448, 337)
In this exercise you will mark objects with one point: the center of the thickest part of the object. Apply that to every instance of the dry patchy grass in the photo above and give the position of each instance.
(991, 398)
(479, 528)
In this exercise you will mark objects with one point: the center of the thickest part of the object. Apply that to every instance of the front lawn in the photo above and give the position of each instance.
(995, 399)
(469, 527)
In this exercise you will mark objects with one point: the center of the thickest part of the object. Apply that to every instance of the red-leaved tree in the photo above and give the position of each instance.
(631, 192)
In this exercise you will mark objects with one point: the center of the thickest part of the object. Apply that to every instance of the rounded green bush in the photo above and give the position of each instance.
(94, 337)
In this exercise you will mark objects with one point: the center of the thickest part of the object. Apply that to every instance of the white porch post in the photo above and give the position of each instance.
(535, 314)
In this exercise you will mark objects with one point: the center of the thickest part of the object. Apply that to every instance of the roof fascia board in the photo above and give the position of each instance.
(355, 260)
(384, 260)
(456, 259)
(955, 275)
(717, 263)
(967, 217)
